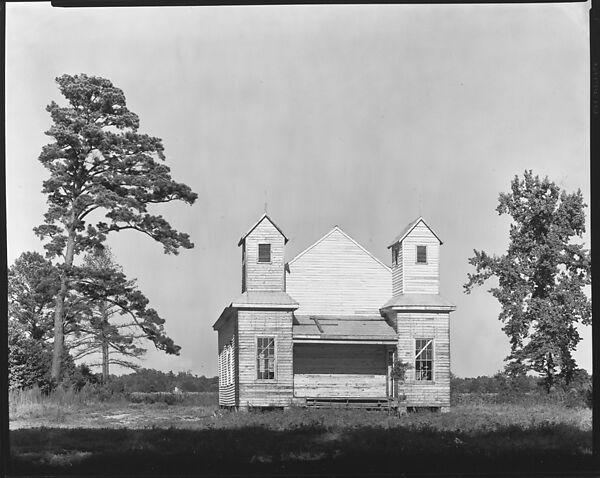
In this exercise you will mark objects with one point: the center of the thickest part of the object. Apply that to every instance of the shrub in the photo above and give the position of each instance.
(156, 397)
(82, 376)
(589, 397)
(28, 362)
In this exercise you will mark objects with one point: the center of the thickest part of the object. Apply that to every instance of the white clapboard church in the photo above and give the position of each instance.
(325, 328)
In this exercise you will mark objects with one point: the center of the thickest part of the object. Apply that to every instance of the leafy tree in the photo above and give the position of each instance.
(99, 163)
(541, 278)
(30, 360)
(32, 285)
(108, 296)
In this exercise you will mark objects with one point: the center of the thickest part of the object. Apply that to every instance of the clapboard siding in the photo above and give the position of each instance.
(336, 385)
(420, 278)
(227, 395)
(264, 275)
(227, 363)
(264, 323)
(397, 270)
(336, 276)
(423, 325)
(332, 370)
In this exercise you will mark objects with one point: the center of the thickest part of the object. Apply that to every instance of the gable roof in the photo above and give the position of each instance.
(263, 217)
(407, 230)
(338, 229)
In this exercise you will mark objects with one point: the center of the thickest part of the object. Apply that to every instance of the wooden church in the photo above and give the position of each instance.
(325, 328)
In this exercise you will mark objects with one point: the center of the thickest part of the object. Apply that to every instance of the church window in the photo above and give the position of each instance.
(424, 359)
(265, 358)
(264, 253)
(421, 254)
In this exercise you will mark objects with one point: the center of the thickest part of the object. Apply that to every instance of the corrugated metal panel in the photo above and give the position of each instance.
(348, 327)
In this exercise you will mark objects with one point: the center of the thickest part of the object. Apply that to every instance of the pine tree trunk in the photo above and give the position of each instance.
(59, 336)
(59, 312)
(104, 345)
(105, 362)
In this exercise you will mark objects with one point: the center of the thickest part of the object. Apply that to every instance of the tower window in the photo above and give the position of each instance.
(421, 254)
(395, 255)
(265, 358)
(264, 253)
(424, 359)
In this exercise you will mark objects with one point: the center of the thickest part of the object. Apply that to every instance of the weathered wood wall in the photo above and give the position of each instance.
(420, 278)
(336, 276)
(331, 370)
(426, 325)
(227, 363)
(265, 323)
(397, 270)
(264, 275)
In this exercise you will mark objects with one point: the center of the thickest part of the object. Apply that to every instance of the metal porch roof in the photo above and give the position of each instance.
(353, 327)
(268, 298)
(419, 301)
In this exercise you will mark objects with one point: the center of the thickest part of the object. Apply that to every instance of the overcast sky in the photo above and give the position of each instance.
(363, 117)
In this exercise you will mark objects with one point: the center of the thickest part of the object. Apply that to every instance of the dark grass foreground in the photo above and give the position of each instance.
(308, 449)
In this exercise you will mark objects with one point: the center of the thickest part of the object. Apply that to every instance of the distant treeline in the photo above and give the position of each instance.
(150, 380)
(502, 388)
(502, 383)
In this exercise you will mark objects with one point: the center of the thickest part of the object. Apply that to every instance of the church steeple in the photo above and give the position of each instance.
(415, 260)
(263, 248)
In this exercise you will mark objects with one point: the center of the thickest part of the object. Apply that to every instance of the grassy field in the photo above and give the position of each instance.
(75, 435)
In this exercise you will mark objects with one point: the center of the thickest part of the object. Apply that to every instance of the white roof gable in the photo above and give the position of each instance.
(337, 229)
(336, 275)
(408, 229)
(261, 219)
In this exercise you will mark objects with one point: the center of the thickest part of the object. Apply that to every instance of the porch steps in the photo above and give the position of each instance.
(380, 403)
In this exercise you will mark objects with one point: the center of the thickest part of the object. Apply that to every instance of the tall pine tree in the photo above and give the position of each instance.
(541, 279)
(99, 162)
(114, 316)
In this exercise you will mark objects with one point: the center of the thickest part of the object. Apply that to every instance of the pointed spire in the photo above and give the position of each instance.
(266, 201)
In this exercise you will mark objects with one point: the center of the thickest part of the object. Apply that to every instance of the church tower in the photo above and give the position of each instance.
(416, 260)
(420, 316)
(263, 264)
(255, 330)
